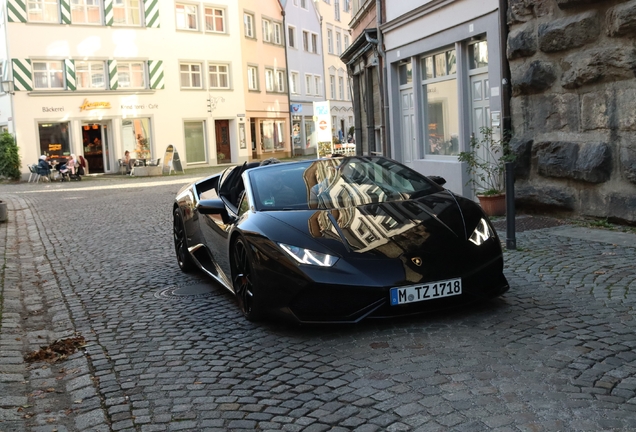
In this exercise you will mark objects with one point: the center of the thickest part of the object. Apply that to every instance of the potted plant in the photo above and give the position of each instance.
(220, 157)
(486, 164)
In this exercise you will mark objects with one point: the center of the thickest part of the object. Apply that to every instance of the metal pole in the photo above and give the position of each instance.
(511, 241)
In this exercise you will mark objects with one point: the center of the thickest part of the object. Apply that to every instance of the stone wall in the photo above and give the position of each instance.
(573, 77)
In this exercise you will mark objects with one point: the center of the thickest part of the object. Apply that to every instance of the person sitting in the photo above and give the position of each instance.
(43, 168)
(128, 161)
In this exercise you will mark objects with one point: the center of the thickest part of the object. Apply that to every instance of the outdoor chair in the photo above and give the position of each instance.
(33, 176)
(123, 167)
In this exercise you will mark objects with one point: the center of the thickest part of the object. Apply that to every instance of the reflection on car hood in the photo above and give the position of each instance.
(388, 229)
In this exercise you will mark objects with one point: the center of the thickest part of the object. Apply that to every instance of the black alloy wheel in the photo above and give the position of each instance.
(180, 247)
(243, 280)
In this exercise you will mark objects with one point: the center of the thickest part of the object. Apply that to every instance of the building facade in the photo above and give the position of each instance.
(336, 15)
(443, 76)
(110, 77)
(306, 73)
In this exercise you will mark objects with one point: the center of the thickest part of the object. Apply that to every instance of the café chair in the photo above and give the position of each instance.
(123, 168)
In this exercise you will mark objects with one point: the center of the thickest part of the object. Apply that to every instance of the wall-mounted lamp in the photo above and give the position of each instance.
(7, 87)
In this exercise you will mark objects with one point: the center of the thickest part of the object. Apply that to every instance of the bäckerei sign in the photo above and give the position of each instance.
(87, 106)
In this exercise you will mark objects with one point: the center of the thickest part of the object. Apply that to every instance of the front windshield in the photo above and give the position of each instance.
(336, 183)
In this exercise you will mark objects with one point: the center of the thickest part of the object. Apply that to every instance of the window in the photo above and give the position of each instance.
(85, 12)
(269, 80)
(293, 82)
(441, 102)
(136, 137)
(267, 31)
(278, 40)
(341, 88)
(336, 9)
(318, 85)
(219, 76)
(478, 55)
(273, 134)
(346, 41)
(54, 139)
(43, 11)
(280, 81)
(338, 43)
(248, 22)
(126, 12)
(308, 84)
(330, 41)
(187, 17)
(303, 4)
(252, 78)
(305, 41)
(347, 88)
(90, 75)
(190, 75)
(214, 20)
(131, 74)
(347, 5)
(291, 36)
(48, 75)
(194, 134)
(314, 43)
(332, 86)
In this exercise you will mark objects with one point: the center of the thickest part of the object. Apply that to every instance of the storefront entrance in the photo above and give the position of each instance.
(97, 147)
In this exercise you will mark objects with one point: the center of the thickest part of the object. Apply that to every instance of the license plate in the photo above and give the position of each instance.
(429, 291)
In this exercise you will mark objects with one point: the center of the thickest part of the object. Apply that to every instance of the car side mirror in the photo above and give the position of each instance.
(212, 206)
(439, 180)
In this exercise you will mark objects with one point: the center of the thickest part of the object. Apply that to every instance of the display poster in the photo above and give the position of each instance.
(167, 159)
(322, 116)
(176, 162)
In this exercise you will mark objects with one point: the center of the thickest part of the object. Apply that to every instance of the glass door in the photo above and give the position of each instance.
(107, 161)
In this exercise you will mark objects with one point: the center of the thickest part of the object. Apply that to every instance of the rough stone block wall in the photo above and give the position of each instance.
(573, 77)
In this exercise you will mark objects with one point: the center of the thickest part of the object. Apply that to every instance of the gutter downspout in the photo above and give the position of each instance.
(506, 125)
(382, 73)
(372, 147)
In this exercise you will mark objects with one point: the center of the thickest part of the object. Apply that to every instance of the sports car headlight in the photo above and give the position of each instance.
(481, 233)
(306, 256)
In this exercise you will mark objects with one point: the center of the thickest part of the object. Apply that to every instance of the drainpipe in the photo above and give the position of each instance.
(506, 125)
(370, 103)
(384, 106)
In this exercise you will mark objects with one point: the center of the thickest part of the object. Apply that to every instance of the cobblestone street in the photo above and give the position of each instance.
(96, 258)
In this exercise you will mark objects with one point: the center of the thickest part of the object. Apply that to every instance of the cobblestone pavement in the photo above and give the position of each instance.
(557, 352)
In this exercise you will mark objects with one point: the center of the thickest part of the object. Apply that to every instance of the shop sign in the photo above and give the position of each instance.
(323, 120)
(87, 106)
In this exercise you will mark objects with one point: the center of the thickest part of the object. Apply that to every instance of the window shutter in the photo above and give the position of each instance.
(155, 70)
(69, 70)
(151, 12)
(16, 11)
(108, 12)
(112, 74)
(66, 11)
(22, 80)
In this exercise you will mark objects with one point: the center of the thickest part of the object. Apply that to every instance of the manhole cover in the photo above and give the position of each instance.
(186, 292)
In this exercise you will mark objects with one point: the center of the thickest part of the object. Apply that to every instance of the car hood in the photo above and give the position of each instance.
(435, 222)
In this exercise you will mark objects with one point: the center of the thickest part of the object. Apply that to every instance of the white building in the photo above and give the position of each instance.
(97, 78)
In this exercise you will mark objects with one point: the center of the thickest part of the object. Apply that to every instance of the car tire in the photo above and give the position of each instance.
(244, 280)
(180, 246)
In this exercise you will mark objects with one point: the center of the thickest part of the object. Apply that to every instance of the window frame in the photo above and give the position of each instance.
(332, 86)
(308, 83)
(128, 12)
(336, 9)
(48, 72)
(219, 75)
(314, 43)
(267, 30)
(142, 73)
(212, 15)
(277, 34)
(91, 74)
(329, 41)
(318, 84)
(291, 36)
(293, 82)
(191, 73)
(338, 43)
(279, 76)
(306, 41)
(41, 5)
(248, 28)
(269, 80)
(85, 9)
(252, 75)
(186, 15)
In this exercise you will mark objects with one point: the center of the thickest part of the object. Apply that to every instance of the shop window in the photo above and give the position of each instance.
(90, 75)
(441, 103)
(478, 54)
(86, 12)
(131, 75)
(214, 20)
(190, 75)
(195, 141)
(54, 139)
(43, 11)
(187, 17)
(136, 138)
(126, 12)
(48, 75)
(272, 135)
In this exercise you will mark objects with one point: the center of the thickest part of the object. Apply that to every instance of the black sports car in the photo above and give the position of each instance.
(337, 240)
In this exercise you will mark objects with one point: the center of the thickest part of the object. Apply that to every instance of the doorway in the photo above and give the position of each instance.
(223, 151)
(97, 147)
